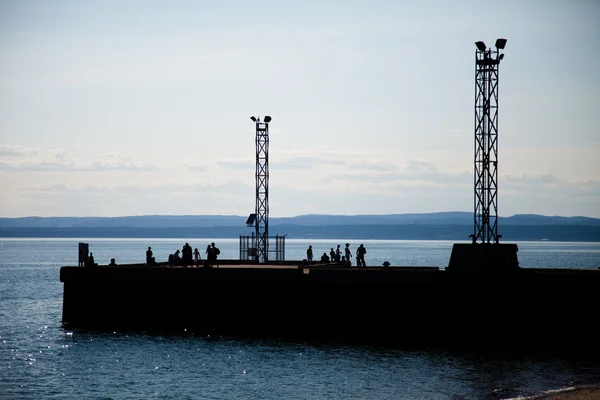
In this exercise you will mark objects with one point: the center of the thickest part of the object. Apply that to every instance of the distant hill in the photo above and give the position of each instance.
(195, 221)
(431, 226)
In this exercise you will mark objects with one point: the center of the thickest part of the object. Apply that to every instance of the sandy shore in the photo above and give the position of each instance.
(568, 394)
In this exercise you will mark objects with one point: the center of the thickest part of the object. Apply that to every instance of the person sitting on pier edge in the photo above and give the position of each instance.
(309, 254)
(149, 259)
(90, 261)
(324, 258)
(196, 257)
(177, 258)
(215, 252)
(360, 256)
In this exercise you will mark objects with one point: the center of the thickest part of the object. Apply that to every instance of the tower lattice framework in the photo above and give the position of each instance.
(262, 190)
(487, 62)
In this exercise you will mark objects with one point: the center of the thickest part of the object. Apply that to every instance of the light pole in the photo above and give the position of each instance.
(261, 218)
(487, 62)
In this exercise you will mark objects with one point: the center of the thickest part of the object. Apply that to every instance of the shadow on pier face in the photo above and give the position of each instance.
(515, 312)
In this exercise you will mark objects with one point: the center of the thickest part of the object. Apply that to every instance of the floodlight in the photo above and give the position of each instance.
(267, 118)
(501, 56)
(253, 119)
(480, 45)
(500, 43)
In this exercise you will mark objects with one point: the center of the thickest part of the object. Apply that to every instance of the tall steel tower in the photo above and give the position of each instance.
(261, 219)
(487, 62)
(485, 253)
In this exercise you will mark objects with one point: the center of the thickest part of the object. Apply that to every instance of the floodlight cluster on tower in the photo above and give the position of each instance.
(487, 62)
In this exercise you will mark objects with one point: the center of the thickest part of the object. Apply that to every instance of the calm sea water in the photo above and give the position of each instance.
(41, 360)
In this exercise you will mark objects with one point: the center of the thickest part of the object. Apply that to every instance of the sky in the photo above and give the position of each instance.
(142, 107)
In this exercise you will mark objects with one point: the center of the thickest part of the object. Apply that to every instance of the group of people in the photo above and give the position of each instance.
(186, 256)
(337, 257)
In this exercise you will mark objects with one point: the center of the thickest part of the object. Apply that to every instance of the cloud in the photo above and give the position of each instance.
(300, 162)
(227, 187)
(549, 195)
(32, 160)
(14, 151)
(549, 184)
(195, 168)
(529, 181)
(306, 161)
(105, 200)
(237, 164)
(374, 166)
(414, 173)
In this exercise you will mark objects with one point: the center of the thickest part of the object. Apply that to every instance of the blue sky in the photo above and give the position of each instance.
(112, 108)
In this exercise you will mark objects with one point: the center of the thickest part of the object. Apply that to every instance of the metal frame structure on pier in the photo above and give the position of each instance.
(249, 243)
(487, 62)
(260, 218)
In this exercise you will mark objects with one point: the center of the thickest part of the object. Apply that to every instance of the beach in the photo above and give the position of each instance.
(582, 393)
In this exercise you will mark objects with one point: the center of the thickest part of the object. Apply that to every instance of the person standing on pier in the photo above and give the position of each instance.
(214, 253)
(338, 254)
(360, 256)
(348, 254)
(309, 254)
(209, 257)
(186, 254)
(196, 257)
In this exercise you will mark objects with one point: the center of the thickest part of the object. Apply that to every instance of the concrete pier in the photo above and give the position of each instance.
(525, 308)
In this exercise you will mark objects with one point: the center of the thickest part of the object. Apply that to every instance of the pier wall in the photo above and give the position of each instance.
(534, 308)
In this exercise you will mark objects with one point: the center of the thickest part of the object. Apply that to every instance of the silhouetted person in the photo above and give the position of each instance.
(90, 261)
(338, 254)
(177, 258)
(360, 256)
(332, 254)
(324, 258)
(186, 254)
(196, 256)
(209, 257)
(345, 263)
(149, 258)
(215, 253)
(348, 254)
(309, 254)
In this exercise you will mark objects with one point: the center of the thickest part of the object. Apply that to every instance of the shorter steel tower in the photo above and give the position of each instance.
(485, 253)
(487, 62)
(261, 217)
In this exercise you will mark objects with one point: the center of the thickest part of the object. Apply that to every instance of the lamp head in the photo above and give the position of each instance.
(253, 119)
(500, 43)
(480, 45)
(267, 118)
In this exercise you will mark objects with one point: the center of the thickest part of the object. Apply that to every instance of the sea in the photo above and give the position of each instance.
(41, 359)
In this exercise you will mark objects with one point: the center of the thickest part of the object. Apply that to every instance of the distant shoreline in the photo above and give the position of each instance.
(459, 233)
(184, 235)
